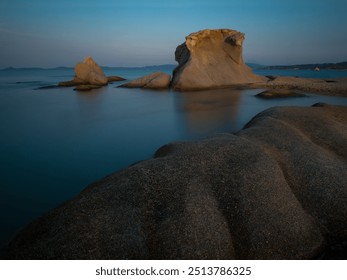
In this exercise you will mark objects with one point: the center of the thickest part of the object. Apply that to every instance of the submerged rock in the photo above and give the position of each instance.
(47, 87)
(71, 83)
(279, 93)
(156, 80)
(211, 59)
(275, 190)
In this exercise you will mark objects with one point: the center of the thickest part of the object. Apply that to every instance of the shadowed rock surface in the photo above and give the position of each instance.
(275, 190)
(279, 93)
(212, 59)
(86, 87)
(112, 79)
(156, 80)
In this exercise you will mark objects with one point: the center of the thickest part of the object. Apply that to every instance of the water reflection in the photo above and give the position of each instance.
(209, 110)
(89, 103)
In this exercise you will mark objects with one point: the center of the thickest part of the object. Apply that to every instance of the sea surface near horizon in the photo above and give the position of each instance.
(54, 142)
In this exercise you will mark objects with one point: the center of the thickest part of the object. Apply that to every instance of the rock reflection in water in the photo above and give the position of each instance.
(213, 110)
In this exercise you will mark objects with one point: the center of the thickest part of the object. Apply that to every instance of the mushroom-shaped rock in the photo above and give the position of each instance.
(156, 80)
(212, 59)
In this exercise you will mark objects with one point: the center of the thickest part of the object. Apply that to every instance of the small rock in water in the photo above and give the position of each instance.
(71, 83)
(46, 87)
(276, 93)
(87, 73)
(156, 80)
(29, 82)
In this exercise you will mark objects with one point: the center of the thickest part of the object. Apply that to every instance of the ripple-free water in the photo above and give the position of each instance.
(55, 142)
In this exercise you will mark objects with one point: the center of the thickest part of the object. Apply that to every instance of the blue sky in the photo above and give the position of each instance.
(46, 33)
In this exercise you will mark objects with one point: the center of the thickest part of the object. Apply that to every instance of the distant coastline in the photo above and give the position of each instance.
(321, 66)
(154, 67)
(312, 66)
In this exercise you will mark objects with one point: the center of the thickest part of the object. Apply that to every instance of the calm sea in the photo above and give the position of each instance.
(54, 142)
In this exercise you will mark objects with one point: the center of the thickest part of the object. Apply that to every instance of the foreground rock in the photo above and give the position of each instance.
(275, 190)
(211, 59)
(156, 80)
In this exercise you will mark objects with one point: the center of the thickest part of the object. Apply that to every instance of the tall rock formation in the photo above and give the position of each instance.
(212, 59)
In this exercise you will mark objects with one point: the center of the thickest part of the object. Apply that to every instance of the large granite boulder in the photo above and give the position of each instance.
(275, 190)
(90, 73)
(211, 59)
(156, 80)
(87, 72)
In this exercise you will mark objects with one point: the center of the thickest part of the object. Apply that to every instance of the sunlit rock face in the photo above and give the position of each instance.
(156, 80)
(212, 59)
(88, 72)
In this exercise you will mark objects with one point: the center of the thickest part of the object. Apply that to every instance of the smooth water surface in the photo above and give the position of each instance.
(54, 142)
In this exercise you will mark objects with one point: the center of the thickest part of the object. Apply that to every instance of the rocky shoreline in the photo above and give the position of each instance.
(274, 190)
(207, 59)
(333, 87)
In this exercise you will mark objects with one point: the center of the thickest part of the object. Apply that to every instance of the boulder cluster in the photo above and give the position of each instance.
(207, 59)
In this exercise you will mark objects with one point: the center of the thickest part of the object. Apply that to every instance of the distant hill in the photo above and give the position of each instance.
(332, 66)
(34, 68)
(255, 65)
(151, 67)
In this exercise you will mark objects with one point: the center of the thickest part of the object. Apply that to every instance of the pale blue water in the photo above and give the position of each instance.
(54, 142)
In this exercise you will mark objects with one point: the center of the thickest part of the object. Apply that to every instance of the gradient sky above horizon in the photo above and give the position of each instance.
(45, 33)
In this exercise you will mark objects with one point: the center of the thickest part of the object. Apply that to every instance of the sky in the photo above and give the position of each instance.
(47, 33)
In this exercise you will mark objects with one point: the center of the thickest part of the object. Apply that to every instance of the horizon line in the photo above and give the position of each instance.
(165, 64)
